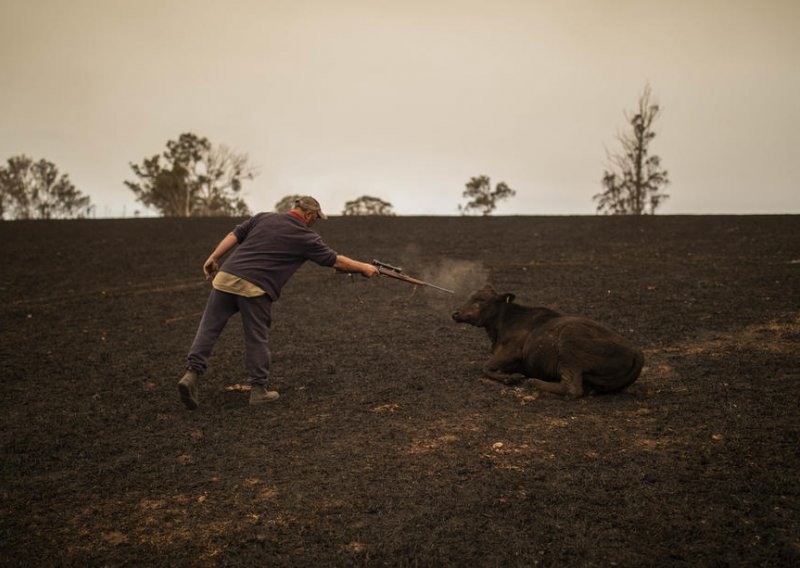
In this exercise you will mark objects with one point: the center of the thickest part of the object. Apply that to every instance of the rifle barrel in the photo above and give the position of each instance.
(410, 279)
(439, 288)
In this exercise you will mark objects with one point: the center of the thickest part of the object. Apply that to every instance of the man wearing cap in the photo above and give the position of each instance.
(272, 246)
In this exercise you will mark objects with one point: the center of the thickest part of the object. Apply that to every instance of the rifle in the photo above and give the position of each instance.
(397, 273)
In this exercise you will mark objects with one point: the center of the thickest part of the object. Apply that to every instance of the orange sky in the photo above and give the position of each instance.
(407, 100)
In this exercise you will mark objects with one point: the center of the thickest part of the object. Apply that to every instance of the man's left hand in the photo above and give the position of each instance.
(210, 267)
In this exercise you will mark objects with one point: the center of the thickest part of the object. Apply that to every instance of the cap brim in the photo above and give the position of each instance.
(322, 215)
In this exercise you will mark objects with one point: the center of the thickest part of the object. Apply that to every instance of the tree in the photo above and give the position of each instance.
(286, 203)
(367, 205)
(482, 198)
(193, 178)
(34, 190)
(634, 179)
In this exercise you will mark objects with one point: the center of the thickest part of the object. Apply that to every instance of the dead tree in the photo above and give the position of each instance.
(634, 179)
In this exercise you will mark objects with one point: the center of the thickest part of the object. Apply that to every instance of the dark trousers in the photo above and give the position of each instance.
(256, 319)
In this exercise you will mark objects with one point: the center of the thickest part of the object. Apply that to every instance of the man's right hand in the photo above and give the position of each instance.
(369, 270)
(345, 264)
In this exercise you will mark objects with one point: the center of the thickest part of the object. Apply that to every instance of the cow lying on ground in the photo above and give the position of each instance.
(568, 355)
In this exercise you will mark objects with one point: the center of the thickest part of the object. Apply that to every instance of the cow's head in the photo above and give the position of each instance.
(482, 307)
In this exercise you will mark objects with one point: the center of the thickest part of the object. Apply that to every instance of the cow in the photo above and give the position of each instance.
(566, 355)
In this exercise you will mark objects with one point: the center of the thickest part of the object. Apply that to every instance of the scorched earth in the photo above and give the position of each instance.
(387, 447)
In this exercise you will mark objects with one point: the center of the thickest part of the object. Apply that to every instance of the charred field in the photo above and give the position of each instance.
(386, 446)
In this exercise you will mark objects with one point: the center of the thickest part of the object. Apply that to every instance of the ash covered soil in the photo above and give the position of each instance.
(386, 446)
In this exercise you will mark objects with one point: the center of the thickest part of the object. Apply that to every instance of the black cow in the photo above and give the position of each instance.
(567, 355)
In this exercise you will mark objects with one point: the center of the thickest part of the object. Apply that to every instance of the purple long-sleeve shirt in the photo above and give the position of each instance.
(272, 246)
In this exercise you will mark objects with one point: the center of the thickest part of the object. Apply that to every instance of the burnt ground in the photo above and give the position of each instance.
(386, 446)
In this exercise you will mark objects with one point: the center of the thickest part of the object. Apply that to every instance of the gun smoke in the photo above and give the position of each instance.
(461, 276)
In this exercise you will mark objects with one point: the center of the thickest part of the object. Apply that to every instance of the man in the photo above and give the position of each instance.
(272, 246)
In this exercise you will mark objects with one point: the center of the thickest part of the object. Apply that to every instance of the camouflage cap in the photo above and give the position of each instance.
(308, 203)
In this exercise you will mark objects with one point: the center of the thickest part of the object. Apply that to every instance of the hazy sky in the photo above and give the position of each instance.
(407, 100)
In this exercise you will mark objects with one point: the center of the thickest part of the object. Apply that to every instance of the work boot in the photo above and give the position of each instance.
(187, 387)
(259, 394)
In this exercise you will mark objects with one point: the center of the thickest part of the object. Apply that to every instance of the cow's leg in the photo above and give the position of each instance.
(498, 367)
(571, 383)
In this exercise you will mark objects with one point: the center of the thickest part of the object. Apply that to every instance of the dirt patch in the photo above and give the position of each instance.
(386, 446)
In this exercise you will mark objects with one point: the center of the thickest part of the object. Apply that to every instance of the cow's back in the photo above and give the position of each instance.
(607, 360)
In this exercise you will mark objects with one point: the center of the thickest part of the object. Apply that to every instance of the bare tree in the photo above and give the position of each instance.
(634, 179)
(34, 190)
(193, 178)
(221, 182)
(481, 197)
(368, 205)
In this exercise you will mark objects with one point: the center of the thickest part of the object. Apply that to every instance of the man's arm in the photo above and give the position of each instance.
(345, 264)
(211, 265)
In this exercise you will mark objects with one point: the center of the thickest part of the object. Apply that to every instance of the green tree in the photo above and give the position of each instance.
(286, 203)
(634, 179)
(368, 205)
(33, 190)
(193, 178)
(481, 197)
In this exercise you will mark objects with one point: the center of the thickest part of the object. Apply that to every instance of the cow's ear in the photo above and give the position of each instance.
(508, 298)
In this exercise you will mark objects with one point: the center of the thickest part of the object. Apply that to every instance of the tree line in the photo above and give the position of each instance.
(31, 189)
(193, 177)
